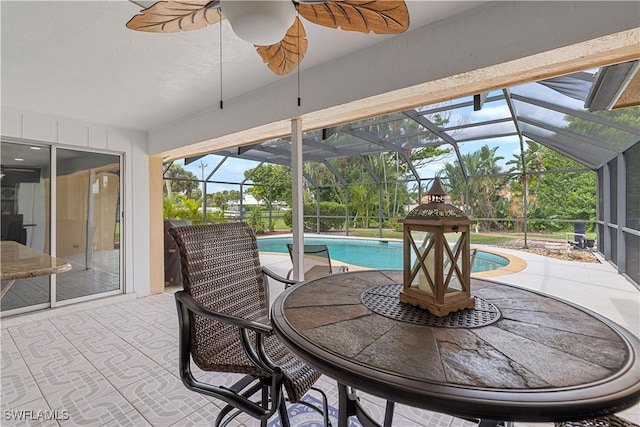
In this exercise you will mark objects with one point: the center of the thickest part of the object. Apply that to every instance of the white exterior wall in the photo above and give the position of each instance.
(68, 133)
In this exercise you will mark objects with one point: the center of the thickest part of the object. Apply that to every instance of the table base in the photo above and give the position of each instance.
(349, 405)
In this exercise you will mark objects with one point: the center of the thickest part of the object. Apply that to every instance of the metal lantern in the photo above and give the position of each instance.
(437, 256)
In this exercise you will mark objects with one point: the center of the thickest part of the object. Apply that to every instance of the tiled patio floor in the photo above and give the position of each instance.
(116, 364)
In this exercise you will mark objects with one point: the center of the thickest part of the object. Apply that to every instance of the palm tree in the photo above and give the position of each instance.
(533, 161)
(483, 184)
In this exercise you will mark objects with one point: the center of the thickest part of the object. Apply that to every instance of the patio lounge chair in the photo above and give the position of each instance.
(317, 262)
(224, 324)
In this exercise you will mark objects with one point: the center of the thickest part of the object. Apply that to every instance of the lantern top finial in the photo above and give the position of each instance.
(436, 192)
(436, 210)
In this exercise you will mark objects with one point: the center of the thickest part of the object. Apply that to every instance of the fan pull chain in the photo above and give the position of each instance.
(220, 26)
(298, 64)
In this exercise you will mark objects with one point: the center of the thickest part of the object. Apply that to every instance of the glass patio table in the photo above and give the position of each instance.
(518, 355)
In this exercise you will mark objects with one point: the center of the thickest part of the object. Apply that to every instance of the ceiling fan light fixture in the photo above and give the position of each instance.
(259, 22)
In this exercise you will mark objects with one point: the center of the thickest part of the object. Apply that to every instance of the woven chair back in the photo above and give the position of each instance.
(221, 270)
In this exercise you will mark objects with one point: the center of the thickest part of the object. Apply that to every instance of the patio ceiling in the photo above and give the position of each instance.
(540, 111)
(76, 59)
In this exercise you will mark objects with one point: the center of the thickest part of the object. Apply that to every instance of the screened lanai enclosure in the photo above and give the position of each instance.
(556, 155)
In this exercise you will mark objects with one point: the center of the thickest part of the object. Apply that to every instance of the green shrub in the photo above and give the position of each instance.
(395, 224)
(256, 221)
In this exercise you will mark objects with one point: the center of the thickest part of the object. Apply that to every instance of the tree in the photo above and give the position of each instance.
(271, 182)
(330, 188)
(570, 195)
(390, 172)
(222, 198)
(363, 199)
(533, 162)
(179, 180)
(484, 188)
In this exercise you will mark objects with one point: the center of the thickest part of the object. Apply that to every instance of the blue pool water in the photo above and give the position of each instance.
(379, 254)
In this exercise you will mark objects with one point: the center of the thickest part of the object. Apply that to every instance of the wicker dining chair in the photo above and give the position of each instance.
(224, 325)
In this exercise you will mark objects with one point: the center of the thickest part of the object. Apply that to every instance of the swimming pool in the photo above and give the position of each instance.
(379, 254)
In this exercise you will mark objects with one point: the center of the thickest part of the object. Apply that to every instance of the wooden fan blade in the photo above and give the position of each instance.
(283, 57)
(176, 15)
(379, 16)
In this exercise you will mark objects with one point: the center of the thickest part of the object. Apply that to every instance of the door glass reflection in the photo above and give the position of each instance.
(25, 191)
(88, 222)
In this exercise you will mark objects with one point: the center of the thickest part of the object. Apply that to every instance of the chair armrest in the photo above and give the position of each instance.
(197, 308)
(256, 351)
(277, 277)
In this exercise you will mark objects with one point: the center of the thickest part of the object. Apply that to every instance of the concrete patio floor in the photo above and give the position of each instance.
(113, 362)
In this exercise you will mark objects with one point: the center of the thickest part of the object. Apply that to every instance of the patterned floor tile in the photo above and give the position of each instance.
(40, 343)
(459, 422)
(5, 339)
(90, 409)
(131, 418)
(55, 355)
(81, 378)
(9, 353)
(98, 345)
(422, 417)
(163, 301)
(34, 331)
(161, 347)
(162, 399)
(18, 385)
(375, 411)
(162, 319)
(123, 365)
(137, 333)
(110, 316)
(34, 413)
(78, 325)
(204, 416)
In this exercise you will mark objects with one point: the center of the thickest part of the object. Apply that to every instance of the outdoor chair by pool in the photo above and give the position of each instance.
(317, 262)
(223, 316)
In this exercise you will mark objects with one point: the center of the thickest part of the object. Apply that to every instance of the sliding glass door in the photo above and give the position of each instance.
(25, 186)
(87, 222)
(75, 216)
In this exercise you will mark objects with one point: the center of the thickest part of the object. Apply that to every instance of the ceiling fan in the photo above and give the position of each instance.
(273, 26)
